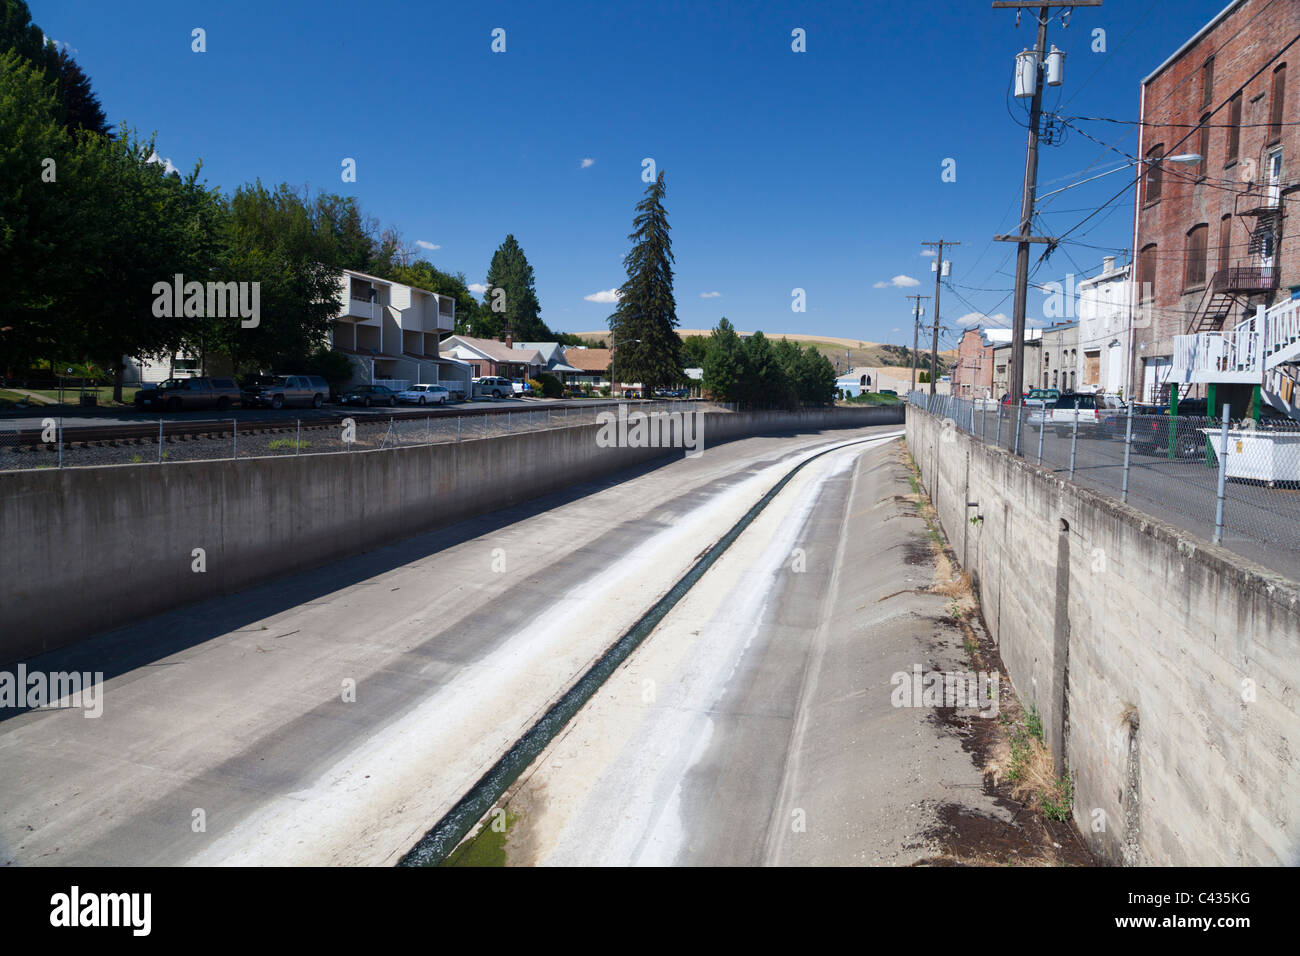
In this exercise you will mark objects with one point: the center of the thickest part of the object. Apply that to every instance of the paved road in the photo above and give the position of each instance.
(755, 725)
(332, 717)
(1260, 523)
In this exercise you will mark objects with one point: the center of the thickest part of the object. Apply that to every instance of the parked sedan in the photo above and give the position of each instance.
(367, 395)
(425, 395)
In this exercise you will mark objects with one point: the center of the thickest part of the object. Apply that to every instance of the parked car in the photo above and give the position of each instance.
(425, 394)
(178, 394)
(521, 386)
(1088, 408)
(670, 393)
(367, 395)
(493, 387)
(889, 391)
(288, 390)
(1151, 433)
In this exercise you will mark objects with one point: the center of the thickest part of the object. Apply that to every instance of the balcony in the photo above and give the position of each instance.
(1245, 280)
(1236, 356)
(360, 310)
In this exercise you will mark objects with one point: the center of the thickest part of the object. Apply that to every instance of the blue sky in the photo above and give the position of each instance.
(818, 170)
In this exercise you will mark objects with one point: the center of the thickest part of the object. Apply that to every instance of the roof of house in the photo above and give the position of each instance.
(588, 360)
(548, 350)
(492, 349)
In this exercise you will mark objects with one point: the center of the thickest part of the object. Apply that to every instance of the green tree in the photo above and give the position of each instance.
(278, 239)
(79, 107)
(35, 216)
(511, 304)
(815, 379)
(766, 382)
(694, 349)
(725, 367)
(135, 226)
(644, 325)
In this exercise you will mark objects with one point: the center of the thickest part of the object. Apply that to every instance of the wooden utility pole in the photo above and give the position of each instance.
(1025, 236)
(916, 331)
(938, 280)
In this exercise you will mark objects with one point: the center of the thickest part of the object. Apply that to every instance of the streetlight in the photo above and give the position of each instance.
(1184, 158)
(612, 344)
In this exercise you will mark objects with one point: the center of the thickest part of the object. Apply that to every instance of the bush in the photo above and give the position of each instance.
(549, 386)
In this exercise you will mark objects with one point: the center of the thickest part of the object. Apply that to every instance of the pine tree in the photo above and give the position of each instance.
(511, 304)
(644, 325)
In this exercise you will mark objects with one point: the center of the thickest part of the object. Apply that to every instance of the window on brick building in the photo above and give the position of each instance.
(1207, 83)
(1276, 104)
(1194, 259)
(1234, 129)
(1154, 176)
(1147, 273)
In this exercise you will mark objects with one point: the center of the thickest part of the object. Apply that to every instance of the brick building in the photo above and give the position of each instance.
(972, 373)
(1212, 239)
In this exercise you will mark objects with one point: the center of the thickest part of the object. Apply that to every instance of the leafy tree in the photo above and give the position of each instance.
(766, 382)
(35, 216)
(694, 349)
(276, 238)
(79, 107)
(521, 315)
(815, 379)
(725, 365)
(644, 325)
(135, 226)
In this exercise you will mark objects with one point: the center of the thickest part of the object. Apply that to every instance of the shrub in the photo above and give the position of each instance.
(549, 385)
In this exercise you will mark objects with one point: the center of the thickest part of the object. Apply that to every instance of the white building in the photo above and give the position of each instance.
(1105, 330)
(390, 332)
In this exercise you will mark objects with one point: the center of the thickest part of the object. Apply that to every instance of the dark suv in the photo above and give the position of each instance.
(180, 394)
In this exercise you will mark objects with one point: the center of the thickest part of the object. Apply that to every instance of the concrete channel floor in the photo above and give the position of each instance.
(332, 717)
(755, 725)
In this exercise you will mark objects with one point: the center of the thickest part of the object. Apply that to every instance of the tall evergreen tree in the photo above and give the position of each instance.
(644, 325)
(511, 300)
(80, 107)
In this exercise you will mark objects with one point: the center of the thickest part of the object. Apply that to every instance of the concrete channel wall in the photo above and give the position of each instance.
(1167, 670)
(89, 549)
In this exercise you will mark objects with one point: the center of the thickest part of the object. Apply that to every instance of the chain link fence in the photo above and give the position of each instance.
(1173, 467)
(44, 443)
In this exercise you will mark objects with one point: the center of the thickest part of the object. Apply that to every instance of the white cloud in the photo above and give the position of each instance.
(898, 282)
(60, 45)
(164, 162)
(929, 253)
(478, 288)
(710, 295)
(605, 295)
(588, 161)
(427, 245)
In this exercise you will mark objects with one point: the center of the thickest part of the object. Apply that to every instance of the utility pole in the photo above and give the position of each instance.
(940, 270)
(1025, 237)
(916, 331)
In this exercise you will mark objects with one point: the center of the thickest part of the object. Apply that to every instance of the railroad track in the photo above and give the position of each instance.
(124, 433)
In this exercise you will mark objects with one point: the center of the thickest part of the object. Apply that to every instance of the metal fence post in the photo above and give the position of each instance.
(1042, 426)
(427, 420)
(1020, 412)
(997, 437)
(1074, 438)
(160, 437)
(60, 434)
(1223, 476)
(458, 418)
(234, 438)
(984, 420)
(1128, 447)
(507, 423)
(972, 419)
(298, 447)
